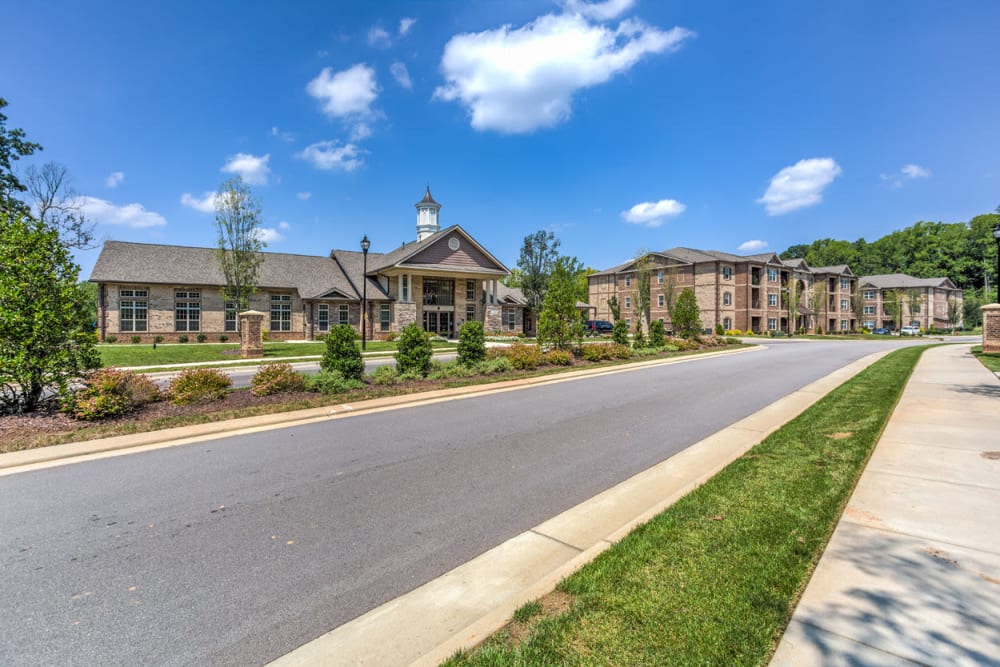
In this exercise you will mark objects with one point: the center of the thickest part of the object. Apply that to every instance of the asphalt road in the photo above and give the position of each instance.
(236, 551)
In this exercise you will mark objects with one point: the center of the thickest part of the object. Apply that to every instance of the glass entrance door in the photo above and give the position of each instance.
(439, 323)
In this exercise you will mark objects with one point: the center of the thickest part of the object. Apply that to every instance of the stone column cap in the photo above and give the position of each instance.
(251, 312)
(991, 306)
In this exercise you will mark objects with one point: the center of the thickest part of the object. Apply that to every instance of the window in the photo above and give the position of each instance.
(187, 310)
(439, 292)
(772, 299)
(133, 310)
(727, 273)
(470, 313)
(628, 281)
(915, 308)
(845, 283)
(230, 316)
(869, 324)
(628, 302)
(727, 299)
(772, 324)
(727, 323)
(511, 319)
(869, 294)
(844, 305)
(843, 325)
(659, 300)
(470, 290)
(281, 312)
(659, 278)
(384, 317)
(869, 310)
(628, 324)
(323, 317)
(344, 314)
(772, 275)
(405, 295)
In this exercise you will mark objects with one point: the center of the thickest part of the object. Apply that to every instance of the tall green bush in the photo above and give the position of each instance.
(639, 339)
(342, 354)
(471, 343)
(687, 315)
(413, 356)
(657, 335)
(619, 332)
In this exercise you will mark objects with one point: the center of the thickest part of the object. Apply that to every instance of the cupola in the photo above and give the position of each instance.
(427, 216)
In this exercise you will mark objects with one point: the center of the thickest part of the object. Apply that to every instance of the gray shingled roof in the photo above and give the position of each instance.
(407, 250)
(352, 264)
(839, 269)
(125, 262)
(903, 281)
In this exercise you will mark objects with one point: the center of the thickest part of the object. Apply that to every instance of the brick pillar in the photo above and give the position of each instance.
(251, 334)
(991, 328)
(493, 321)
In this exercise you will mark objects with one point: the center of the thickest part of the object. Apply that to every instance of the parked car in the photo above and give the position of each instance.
(598, 326)
(910, 331)
(881, 331)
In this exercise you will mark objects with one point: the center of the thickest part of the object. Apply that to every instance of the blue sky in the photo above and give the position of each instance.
(620, 125)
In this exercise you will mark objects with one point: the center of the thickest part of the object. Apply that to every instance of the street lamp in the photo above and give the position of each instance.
(996, 235)
(365, 244)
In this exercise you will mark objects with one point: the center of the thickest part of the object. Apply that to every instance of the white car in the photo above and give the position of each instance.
(910, 331)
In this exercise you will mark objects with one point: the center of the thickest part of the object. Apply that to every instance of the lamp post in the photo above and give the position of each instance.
(365, 244)
(996, 235)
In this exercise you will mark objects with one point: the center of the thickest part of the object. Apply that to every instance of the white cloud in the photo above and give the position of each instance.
(252, 168)
(129, 215)
(345, 93)
(328, 155)
(401, 74)
(269, 235)
(114, 179)
(304, 195)
(379, 38)
(287, 137)
(405, 24)
(360, 131)
(519, 80)
(322, 53)
(206, 204)
(600, 11)
(653, 214)
(283, 225)
(752, 246)
(915, 171)
(800, 185)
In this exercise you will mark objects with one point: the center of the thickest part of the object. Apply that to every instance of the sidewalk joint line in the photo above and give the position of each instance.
(932, 479)
(557, 540)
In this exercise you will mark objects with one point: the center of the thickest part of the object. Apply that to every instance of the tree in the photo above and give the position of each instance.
(237, 219)
(538, 256)
(670, 290)
(687, 316)
(643, 272)
(471, 343)
(513, 279)
(892, 302)
(57, 204)
(954, 312)
(582, 279)
(657, 335)
(615, 307)
(13, 146)
(413, 354)
(44, 316)
(560, 322)
(342, 353)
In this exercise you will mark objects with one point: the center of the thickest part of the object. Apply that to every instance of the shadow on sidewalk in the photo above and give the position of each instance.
(988, 390)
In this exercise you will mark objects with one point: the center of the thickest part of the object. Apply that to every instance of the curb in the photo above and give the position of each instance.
(464, 606)
(11, 462)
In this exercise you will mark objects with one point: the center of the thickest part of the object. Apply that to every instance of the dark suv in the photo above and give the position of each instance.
(598, 326)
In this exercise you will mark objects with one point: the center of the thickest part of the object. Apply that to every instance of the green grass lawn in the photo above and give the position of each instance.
(145, 355)
(991, 361)
(713, 580)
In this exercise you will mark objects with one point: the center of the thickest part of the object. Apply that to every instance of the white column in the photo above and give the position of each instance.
(399, 287)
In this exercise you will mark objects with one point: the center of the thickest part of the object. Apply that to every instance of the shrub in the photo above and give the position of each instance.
(657, 336)
(342, 354)
(157, 339)
(683, 344)
(495, 366)
(413, 356)
(135, 340)
(201, 338)
(559, 357)
(719, 331)
(606, 352)
(263, 335)
(391, 336)
(732, 341)
(521, 356)
(110, 392)
(332, 382)
(819, 331)
(198, 385)
(111, 339)
(276, 378)
(451, 369)
(471, 343)
(619, 332)
(639, 339)
(223, 338)
(686, 315)
(385, 376)
(182, 339)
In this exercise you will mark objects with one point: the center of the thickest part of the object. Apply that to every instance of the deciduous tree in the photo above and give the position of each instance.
(13, 146)
(560, 323)
(687, 315)
(538, 256)
(237, 220)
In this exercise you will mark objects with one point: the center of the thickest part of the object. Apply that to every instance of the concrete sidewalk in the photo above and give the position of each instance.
(912, 573)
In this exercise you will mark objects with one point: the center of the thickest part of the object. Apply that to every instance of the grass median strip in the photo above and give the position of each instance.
(713, 579)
